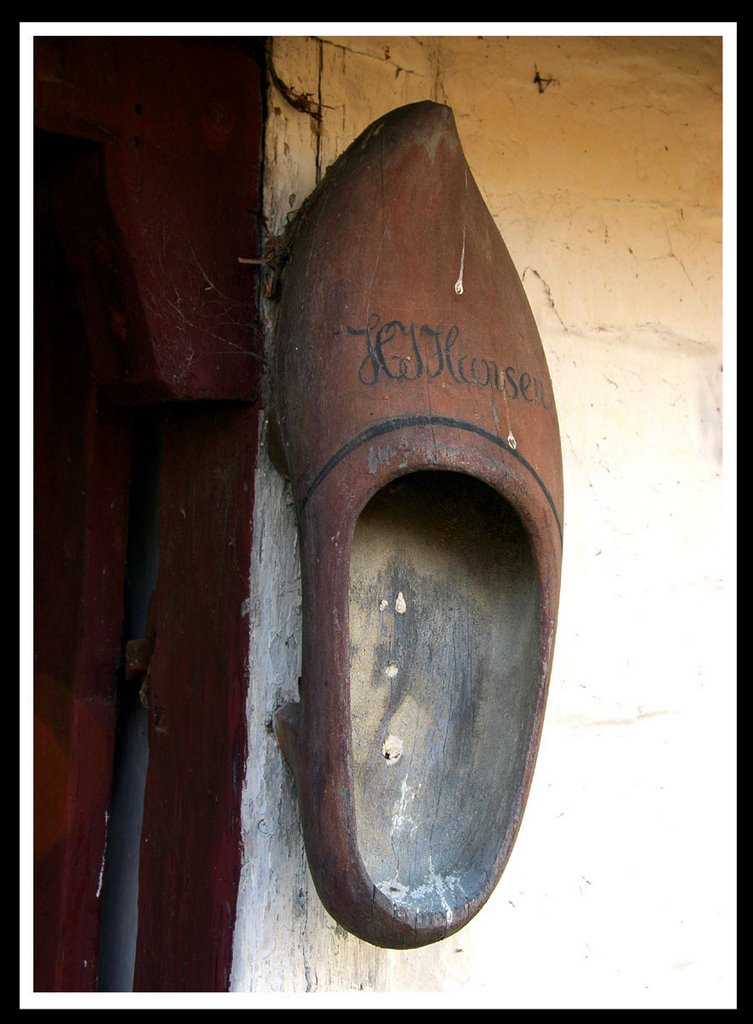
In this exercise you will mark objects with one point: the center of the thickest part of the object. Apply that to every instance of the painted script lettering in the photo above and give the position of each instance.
(396, 351)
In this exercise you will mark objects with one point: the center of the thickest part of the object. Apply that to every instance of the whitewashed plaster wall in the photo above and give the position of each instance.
(604, 178)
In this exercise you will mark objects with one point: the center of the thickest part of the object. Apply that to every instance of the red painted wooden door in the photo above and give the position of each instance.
(148, 192)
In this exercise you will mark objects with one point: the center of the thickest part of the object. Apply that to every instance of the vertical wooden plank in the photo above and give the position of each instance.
(82, 448)
(190, 848)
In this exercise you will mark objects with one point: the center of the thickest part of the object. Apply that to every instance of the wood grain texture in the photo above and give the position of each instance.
(404, 344)
(190, 847)
(444, 612)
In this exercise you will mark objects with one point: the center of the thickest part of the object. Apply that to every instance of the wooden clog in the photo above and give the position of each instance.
(416, 415)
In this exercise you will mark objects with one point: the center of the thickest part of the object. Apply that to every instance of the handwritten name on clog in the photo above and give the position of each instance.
(394, 352)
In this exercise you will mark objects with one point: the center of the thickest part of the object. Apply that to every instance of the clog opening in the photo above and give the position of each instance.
(445, 671)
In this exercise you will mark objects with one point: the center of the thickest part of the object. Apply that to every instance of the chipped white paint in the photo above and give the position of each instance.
(459, 282)
(378, 456)
(391, 671)
(392, 749)
(400, 604)
(401, 819)
(447, 889)
(104, 857)
(606, 189)
(383, 605)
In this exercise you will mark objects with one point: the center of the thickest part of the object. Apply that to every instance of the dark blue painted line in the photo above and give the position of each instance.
(390, 426)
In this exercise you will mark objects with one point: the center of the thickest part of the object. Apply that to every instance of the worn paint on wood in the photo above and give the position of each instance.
(190, 845)
(405, 345)
(154, 150)
(443, 611)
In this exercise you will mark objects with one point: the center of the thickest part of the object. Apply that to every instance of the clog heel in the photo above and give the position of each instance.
(416, 417)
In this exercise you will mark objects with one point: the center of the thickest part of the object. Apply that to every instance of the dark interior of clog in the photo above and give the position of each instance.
(445, 667)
